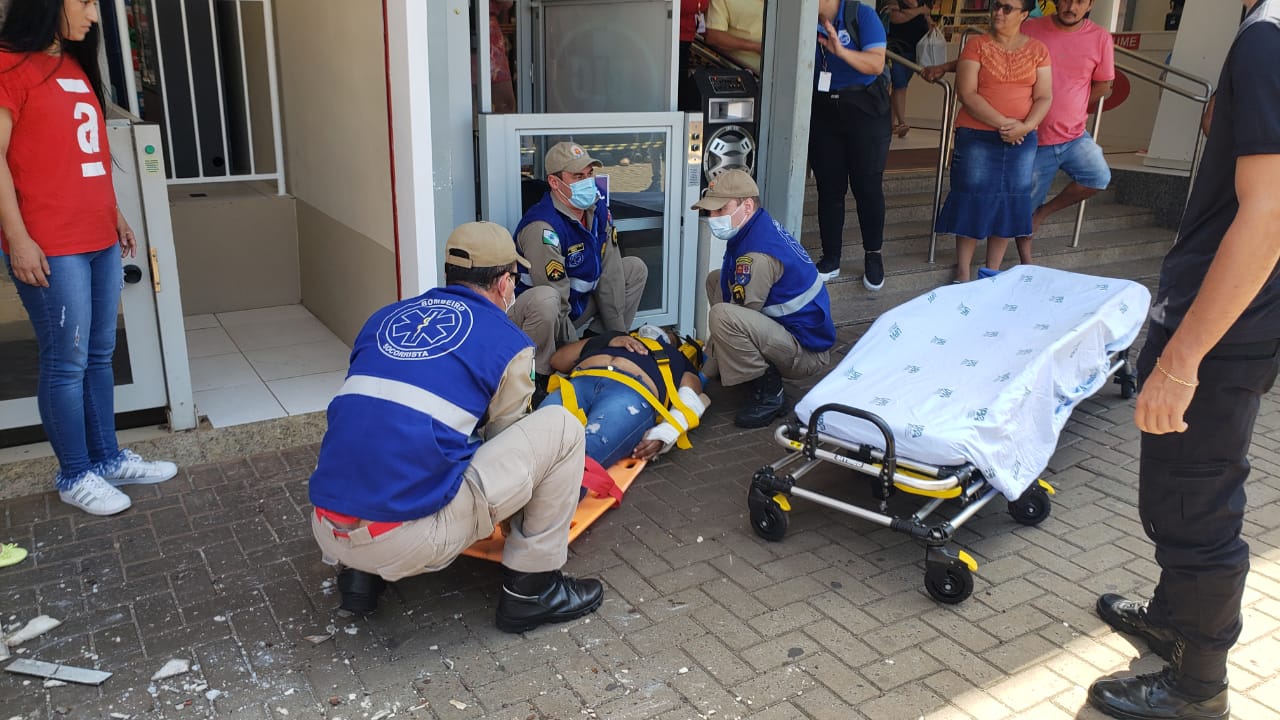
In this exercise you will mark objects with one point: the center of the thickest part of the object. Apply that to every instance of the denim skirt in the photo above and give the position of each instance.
(991, 183)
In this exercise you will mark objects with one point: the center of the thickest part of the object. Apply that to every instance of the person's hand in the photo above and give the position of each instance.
(28, 261)
(128, 244)
(1014, 131)
(831, 41)
(933, 72)
(1163, 401)
(626, 342)
(647, 449)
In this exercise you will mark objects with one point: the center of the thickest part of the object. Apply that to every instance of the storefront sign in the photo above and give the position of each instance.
(1128, 41)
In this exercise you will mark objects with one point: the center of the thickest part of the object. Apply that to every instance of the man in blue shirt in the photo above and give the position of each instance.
(849, 133)
(430, 443)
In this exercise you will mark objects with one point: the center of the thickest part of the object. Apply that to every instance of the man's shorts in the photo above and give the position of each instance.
(1081, 159)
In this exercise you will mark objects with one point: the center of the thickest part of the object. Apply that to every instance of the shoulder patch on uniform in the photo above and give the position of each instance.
(742, 270)
(555, 270)
(739, 294)
(549, 237)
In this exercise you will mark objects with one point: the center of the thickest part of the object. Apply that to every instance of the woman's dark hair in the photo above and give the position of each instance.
(1028, 5)
(31, 26)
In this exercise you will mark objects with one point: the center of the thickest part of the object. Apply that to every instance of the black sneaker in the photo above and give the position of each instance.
(768, 401)
(873, 271)
(1155, 697)
(1130, 617)
(828, 268)
(564, 598)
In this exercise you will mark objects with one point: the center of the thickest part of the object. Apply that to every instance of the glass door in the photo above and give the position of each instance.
(139, 369)
(651, 172)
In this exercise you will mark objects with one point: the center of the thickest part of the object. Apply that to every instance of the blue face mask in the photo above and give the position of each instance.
(583, 194)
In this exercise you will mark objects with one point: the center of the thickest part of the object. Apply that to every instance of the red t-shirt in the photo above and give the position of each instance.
(58, 154)
(689, 12)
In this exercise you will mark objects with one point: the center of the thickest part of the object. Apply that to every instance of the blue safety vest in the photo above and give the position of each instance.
(799, 300)
(403, 426)
(583, 250)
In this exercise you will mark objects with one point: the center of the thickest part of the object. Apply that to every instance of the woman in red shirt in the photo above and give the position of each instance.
(61, 232)
(693, 22)
(1005, 85)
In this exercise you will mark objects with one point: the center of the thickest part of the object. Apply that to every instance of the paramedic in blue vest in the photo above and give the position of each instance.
(577, 278)
(430, 443)
(770, 315)
(849, 134)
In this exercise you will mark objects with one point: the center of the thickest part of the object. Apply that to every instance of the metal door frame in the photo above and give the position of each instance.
(500, 202)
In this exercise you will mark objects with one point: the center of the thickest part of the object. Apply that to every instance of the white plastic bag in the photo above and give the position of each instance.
(932, 48)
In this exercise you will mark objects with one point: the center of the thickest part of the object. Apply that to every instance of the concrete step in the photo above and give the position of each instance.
(913, 236)
(906, 207)
(1132, 254)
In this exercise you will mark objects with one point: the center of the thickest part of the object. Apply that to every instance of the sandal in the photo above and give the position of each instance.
(11, 554)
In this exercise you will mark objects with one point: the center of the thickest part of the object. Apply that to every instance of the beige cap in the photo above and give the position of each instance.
(731, 185)
(481, 244)
(569, 156)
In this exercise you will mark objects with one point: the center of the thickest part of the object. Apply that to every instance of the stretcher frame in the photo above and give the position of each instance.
(948, 572)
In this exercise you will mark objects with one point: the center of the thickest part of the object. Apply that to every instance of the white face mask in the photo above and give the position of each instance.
(512, 302)
(652, 332)
(722, 226)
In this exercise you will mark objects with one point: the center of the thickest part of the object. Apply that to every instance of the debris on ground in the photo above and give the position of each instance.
(176, 666)
(36, 627)
(54, 671)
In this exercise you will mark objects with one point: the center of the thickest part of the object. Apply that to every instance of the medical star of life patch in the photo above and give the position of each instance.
(549, 237)
(742, 270)
(555, 270)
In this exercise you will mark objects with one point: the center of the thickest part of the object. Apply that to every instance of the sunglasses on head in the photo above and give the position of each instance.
(1001, 8)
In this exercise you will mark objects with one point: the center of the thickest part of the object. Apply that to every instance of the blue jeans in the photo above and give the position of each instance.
(617, 417)
(1081, 159)
(75, 325)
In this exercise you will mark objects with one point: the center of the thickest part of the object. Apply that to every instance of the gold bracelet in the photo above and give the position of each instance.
(1175, 378)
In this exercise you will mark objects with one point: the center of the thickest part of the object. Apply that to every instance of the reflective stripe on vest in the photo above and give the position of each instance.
(796, 303)
(414, 398)
(575, 284)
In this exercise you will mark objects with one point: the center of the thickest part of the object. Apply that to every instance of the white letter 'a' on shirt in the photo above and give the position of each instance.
(87, 132)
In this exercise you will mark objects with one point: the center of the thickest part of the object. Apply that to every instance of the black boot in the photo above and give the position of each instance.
(532, 599)
(539, 390)
(360, 590)
(1155, 697)
(768, 401)
(1130, 617)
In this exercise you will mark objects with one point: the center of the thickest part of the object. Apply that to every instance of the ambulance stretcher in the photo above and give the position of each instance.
(957, 396)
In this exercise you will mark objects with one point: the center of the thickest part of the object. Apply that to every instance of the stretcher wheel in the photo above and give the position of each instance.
(1128, 386)
(769, 520)
(949, 582)
(1032, 508)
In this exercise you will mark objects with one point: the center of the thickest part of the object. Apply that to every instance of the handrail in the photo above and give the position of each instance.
(948, 97)
(1169, 69)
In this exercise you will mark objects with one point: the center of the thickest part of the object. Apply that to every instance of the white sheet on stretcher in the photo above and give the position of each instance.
(985, 372)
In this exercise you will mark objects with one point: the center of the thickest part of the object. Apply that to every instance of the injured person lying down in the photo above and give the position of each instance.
(637, 394)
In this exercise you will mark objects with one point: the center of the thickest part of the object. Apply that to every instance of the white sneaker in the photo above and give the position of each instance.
(133, 470)
(96, 496)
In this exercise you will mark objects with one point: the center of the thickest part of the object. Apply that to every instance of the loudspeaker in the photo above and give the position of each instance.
(730, 105)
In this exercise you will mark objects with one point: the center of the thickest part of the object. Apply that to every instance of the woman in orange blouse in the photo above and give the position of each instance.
(1005, 87)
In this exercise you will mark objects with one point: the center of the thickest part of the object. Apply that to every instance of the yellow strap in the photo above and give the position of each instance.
(673, 394)
(682, 442)
(568, 397)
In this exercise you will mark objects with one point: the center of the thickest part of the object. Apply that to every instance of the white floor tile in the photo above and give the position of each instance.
(289, 361)
(266, 314)
(237, 405)
(309, 393)
(278, 333)
(200, 322)
(209, 341)
(221, 371)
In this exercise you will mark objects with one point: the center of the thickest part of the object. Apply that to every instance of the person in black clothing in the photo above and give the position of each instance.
(909, 22)
(850, 131)
(1210, 356)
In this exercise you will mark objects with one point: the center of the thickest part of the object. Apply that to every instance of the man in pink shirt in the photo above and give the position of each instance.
(1083, 73)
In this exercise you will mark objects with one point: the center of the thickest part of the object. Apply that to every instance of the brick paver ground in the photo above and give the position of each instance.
(702, 619)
